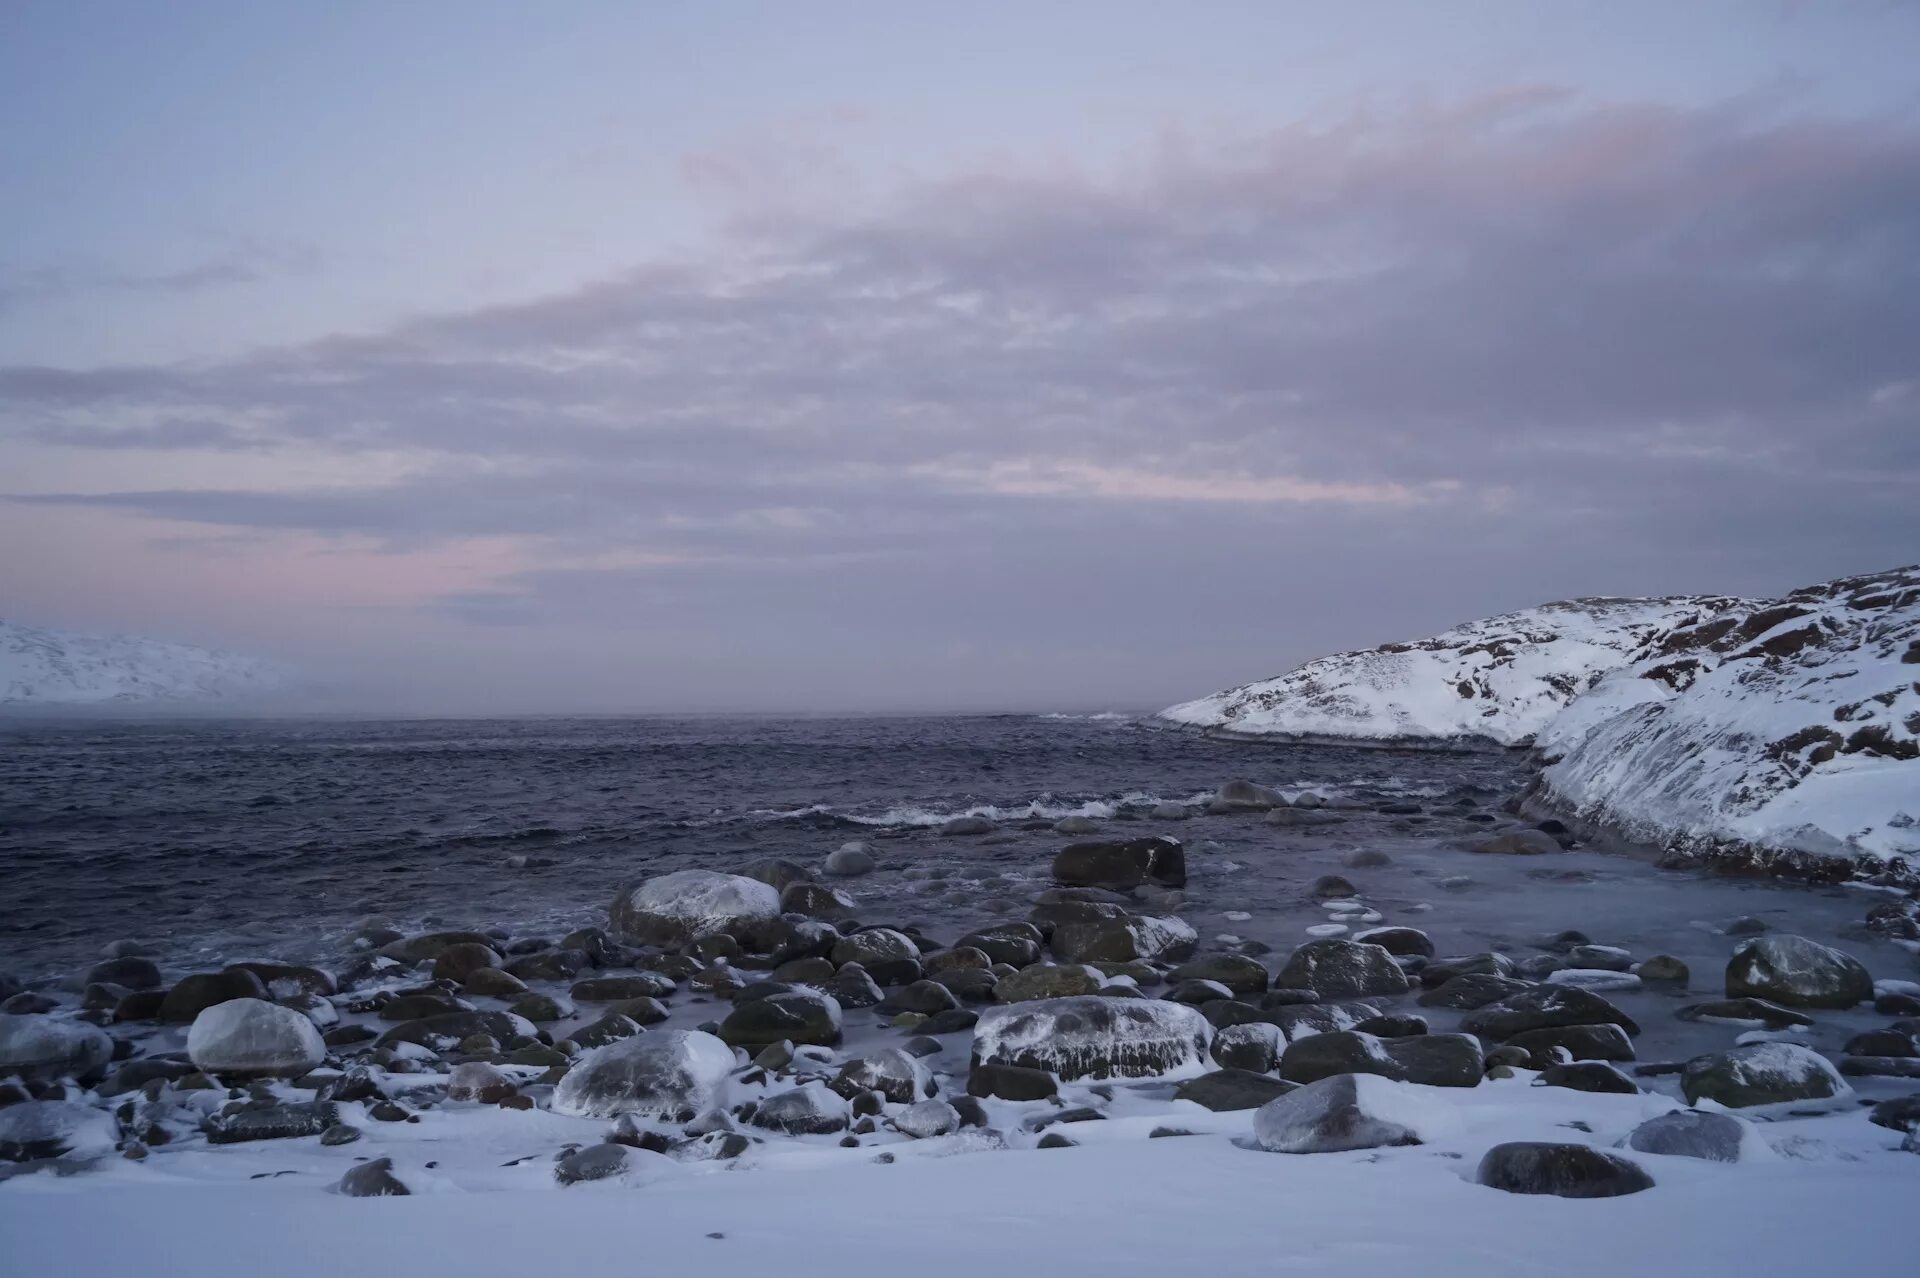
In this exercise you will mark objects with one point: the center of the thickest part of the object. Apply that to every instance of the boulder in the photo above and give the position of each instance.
(1253, 1046)
(444, 1033)
(618, 989)
(549, 965)
(620, 1165)
(800, 1015)
(1341, 1112)
(1015, 944)
(1563, 1170)
(1516, 843)
(889, 957)
(249, 1038)
(808, 1110)
(42, 1050)
(675, 1074)
(928, 1118)
(1238, 973)
(1545, 1007)
(678, 909)
(371, 1179)
(1226, 1090)
(1580, 1042)
(1761, 1074)
(776, 873)
(1437, 1060)
(1398, 941)
(38, 1129)
(129, 973)
(1335, 968)
(817, 901)
(1094, 1037)
(1587, 1076)
(1245, 796)
(1796, 972)
(927, 998)
(1111, 934)
(895, 1074)
(429, 945)
(850, 860)
(1010, 1082)
(1471, 990)
(1047, 980)
(272, 1122)
(192, 995)
(1692, 1133)
(1122, 866)
(457, 962)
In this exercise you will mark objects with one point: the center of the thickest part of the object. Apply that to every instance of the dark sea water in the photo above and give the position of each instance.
(277, 835)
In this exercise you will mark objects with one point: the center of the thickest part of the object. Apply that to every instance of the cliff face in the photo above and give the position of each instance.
(52, 667)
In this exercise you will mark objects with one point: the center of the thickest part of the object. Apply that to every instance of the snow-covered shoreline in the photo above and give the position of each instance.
(57, 668)
(1778, 735)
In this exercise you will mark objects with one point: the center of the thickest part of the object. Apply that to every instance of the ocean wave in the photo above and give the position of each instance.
(1046, 807)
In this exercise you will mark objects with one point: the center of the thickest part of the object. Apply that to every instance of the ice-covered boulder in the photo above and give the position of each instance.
(1095, 1037)
(1334, 968)
(1544, 1007)
(895, 1074)
(1345, 1111)
(1794, 971)
(53, 1129)
(850, 860)
(667, 1072)
(808, 1110)
(1563, 1170)
(927, 1118)
(1761, 1074)
(677, 909)
(1100, 933)
(617, 1165)
(251, 1038)
(41, 1049)
(799, 1015)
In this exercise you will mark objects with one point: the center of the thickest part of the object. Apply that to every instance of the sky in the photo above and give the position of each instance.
(473, 357)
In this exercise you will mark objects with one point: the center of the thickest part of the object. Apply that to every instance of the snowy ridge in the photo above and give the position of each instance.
(52, 667)
(1769, 733)
(1500, 680)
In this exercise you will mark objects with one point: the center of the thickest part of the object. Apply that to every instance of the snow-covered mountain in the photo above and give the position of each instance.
(53, 667)
(1767, 733)
(1500, 680)
(1770, 730)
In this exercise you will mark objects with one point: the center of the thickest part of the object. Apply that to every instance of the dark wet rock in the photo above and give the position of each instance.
(1745, 1011)
(1231, 1089)
(136, 1074)
(1691, 1133)
(1398, 1026)
(923, 997)
(1761, 1074)
(1331, 886)
(549, 965)
(42, 1050)
(1587, 1076)
(608, 1029)
(1194, 993)
(272, 1122)
(958, 1021)
(776, 873)
(1544, 1007)
(969, 984)
(1516, 843)
(1100, 932)
(615, 989)
(1436, 1060)
(1565, 1171)
(1471, 991)
(1245, 796)
(1901, 1113)
(132, 973)
(249, 1038)
(1094, 1037)
(1336, 968)
(1054, 1140)
(1746, 925)
(457, 962)
(850, 860)
(1886, 1042)
(1010, 1082)
(1223, 1013)
(1401, 942)
(1238, 973)
(541, 1008)
(414, 1007)
(888, 956)
(444, 1033)
(605, 1161)
(1796, 972)
(1300, 1020)
(1579, 1042)
(493, 982)
(1441, 970)
(958, 958)
(372, 1179)
(817, 901)
(1122, 866)
(1881, 1066)
(29, 1003)
(1046, 980)
(1253, 1046)
(808, 1110)
(1342, 1112)
(192, 995)
(672, 910)
(1016, 944)
(340, 1134)
(1663, 969)
(429, 945)
(1366, 859)
(1895, 1004)
(852, 987)
(812, 970)
(800, 1015)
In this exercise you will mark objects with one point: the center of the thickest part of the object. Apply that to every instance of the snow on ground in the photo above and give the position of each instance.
(1119, 1204)
(1502, 679)
(54, 667)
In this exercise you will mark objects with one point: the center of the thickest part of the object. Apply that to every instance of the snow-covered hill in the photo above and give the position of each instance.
(53, 667)
(1766, 733)
(1500, 680)
(1777, 734)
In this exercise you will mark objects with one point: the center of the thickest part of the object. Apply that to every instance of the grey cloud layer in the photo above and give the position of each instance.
(1666, 348)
